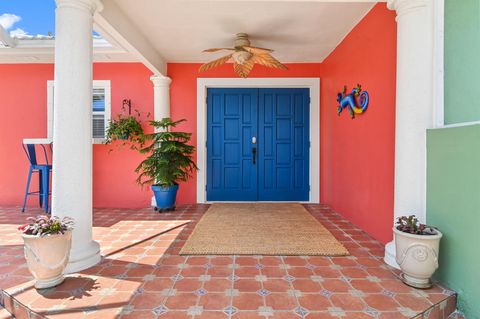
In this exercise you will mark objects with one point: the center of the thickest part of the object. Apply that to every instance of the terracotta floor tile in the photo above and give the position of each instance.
(221, 260)
(300, 272)
(335, 285)
(249, 315)
(193, 271)
(140, 271)
(214, 301)
(295, 261)
(327, 272)
(151, 274)
(270, 260)
(395, 285)
(197, 260)
(413, 302)
(142, 314)
(166, 271)
(366, 286)
(381, 302)
(219, 271)
(248, 301)
(176, 315)
(280, 301)
(247, 285)
(181, 301)
(273, 272)
(188, 284)
(392, 315)
(158, 284)
(284, 315)
(344, 262)
(277, 285)
(147, 301)
(319, 261)
(347, 302)
(217, 285)
(246, 261)
(211, 315)
(306, 285)
(354, 272)
(247, 272)
(321, 315)
(314, 302)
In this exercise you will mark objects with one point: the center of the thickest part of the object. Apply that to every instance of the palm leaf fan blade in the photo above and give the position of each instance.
(215, 63)
(256, 50)
(244, 69)
(218, 49)
(269, 61)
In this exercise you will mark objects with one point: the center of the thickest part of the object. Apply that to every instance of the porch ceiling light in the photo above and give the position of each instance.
(244, 57)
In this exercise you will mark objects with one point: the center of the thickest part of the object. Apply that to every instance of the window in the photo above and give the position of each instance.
(100, 108)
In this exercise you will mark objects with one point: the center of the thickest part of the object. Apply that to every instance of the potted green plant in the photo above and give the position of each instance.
(169, 161)
(47, 242)
(125, 127)
(417, 247)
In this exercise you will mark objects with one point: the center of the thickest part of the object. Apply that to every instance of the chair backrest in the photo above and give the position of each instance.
(29, 150)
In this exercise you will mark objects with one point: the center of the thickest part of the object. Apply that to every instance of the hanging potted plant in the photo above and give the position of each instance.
(417, 247)
(47, 241)
(169, 161)
(125, 126)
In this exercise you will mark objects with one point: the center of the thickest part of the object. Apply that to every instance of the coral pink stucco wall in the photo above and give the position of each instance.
(357, 156)
(24, 107)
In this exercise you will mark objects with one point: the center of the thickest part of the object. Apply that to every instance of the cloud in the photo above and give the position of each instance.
(7, 20)
(18, 33)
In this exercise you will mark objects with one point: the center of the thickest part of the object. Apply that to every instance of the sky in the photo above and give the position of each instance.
(28, 17)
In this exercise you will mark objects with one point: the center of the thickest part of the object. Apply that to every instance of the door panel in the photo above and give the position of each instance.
(283, 147)
(279, 119)
(232, 121)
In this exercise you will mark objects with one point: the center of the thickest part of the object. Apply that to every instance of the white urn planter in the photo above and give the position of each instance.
(47, 256)
(417, 256)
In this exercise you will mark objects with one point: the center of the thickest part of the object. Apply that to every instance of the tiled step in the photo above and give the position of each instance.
(444, 309)
(15, 309)
(441, 310)
(457, 315)
(4, 314)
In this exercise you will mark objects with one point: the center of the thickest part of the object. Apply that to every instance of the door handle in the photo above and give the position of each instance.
(254, 155)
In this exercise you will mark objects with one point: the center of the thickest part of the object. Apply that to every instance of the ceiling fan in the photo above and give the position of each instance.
(244, 57)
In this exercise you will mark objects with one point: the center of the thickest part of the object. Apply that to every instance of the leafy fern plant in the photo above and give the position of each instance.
(170, 157)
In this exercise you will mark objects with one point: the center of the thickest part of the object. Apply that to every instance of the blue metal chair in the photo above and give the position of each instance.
(43, 171)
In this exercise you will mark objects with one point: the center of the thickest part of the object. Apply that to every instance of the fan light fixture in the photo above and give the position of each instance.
(244, 57)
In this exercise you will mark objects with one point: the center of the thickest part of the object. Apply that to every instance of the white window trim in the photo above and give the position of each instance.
(313, 84)
(97, 84)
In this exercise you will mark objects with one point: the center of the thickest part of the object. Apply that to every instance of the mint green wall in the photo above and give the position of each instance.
(453, 205)
(462, 65)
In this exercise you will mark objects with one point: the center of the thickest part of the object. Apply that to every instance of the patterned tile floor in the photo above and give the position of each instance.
(142, 275)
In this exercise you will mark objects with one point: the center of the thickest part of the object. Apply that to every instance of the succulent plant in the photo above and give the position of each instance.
(411, 225)
(43, 225)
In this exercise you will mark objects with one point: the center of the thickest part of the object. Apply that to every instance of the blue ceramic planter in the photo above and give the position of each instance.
(165, 196)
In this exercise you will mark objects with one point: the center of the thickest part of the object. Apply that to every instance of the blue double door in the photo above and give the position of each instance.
(258, 144)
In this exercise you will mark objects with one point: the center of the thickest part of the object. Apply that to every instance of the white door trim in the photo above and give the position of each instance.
(311, 83)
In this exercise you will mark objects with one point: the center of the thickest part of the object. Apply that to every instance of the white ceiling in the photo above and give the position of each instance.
(298, 31)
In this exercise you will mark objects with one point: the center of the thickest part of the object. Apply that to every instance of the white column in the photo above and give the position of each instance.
(414, 107)
(161, 103)
(161, 96)
(72, 128)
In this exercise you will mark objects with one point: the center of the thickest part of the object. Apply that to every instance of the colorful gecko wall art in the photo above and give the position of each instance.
(356, 101)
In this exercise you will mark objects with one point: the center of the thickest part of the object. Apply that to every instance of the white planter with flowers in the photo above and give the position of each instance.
(47, 242)
(417, 248)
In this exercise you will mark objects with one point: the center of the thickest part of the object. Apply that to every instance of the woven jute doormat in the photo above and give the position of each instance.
(261, 229)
